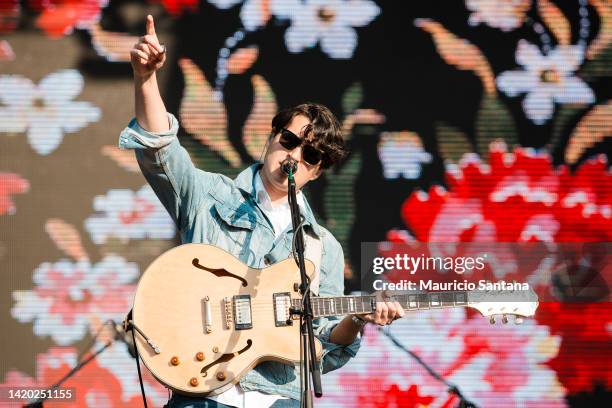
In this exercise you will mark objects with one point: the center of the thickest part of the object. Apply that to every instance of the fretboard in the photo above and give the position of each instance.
(344, 305)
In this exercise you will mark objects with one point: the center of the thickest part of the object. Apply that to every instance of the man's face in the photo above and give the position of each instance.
(272, 175)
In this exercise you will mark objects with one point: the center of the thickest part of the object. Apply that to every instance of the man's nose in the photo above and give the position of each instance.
(296, 154)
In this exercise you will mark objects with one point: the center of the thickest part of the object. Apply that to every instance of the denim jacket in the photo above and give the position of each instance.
(213, 209)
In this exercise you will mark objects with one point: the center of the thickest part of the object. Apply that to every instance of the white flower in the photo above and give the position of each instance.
(126, 214)
(45, 110)
(253, 13)
(546, 79)
(503, 14)
(402, 154)
(328, 22)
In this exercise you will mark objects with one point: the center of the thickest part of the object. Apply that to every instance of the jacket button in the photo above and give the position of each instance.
(267, 260)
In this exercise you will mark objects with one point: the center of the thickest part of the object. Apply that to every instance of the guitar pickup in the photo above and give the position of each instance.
(242, 312)
(282, 303)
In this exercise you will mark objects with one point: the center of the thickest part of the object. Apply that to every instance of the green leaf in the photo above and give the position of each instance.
(352, 98)
(599, 66)
(339, 200)
(453, 143)
(494, 121)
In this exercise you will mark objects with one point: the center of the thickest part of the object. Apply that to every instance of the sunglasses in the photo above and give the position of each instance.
(290, 141)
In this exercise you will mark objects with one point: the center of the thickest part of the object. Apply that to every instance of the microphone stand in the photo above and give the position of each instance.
(309, 364)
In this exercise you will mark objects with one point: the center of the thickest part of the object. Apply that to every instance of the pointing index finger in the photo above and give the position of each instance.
(150, 25)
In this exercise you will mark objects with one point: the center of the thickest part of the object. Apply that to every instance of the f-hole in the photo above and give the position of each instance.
(226, 357)
(220, 272)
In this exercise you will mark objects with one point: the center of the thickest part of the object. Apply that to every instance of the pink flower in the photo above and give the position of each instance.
(67, 294)
(491, 363)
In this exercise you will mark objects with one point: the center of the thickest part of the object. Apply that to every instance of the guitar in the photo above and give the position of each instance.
(203, 319)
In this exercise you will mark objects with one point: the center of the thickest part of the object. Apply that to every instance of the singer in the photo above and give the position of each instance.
(249, 216)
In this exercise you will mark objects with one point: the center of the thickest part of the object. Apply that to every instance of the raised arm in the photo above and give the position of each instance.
(147, 57)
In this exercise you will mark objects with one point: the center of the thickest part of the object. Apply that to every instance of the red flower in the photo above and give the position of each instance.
(520, 197)
(11, 183)
(517, 197)
(9, 15)
(176, 7)
(60, 17)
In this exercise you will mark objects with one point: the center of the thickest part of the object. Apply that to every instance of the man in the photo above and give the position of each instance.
(248, 216)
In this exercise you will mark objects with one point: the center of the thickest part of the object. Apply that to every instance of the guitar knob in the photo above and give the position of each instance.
(199, 356)
(221, 376)
(504, 319)
(492, 320)
(175, 361)
(215, 349)
(194, 382)
(518, 320)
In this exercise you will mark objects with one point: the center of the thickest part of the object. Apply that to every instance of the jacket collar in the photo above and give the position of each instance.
(245, 181)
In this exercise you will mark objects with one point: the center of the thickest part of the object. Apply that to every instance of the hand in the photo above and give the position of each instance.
(386, 312)
(147, 56)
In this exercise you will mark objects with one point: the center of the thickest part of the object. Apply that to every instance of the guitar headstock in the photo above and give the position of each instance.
(517, 303)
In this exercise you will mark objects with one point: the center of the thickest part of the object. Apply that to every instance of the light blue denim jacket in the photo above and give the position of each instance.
(213, 209)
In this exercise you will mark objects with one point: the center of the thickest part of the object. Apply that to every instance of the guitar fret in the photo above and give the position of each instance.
(343, 305)
(423, 301)
(460, 298)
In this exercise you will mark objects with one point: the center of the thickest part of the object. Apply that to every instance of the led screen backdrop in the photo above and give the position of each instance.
(473, 120)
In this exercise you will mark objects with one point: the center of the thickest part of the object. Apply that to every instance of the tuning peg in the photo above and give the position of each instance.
(492, 319)
(504, 319)
(518, 320)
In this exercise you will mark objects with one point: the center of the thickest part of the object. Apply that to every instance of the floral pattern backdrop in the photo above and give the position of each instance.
(467, 120)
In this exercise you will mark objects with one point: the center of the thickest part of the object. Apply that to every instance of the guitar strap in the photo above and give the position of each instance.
(313, 252)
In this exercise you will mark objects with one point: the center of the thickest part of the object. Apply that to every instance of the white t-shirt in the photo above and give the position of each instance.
(280, 217)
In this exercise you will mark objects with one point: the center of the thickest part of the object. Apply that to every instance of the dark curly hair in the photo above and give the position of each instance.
(324, 127)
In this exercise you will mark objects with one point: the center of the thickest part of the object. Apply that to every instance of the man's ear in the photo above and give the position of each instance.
(317, 174)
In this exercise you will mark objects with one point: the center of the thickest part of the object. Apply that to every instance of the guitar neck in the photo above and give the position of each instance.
(344, 305)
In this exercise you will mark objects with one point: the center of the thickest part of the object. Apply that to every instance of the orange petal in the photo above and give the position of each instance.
(242, 59)
(258, 125)
(66, 237)
(459, 52)
(556, 21)
(203, 115)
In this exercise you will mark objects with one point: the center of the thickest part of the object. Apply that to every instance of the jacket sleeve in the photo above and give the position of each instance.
(332, 284)
(167, 167)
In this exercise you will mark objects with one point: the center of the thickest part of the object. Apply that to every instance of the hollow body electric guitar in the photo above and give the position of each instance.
(203, 319)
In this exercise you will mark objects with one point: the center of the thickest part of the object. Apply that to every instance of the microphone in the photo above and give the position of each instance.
(289, 165)
(124, 337)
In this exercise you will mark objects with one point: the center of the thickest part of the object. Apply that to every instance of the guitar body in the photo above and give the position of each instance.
(213, 318)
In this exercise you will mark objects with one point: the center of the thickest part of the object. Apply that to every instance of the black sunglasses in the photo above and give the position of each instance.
(290, 141)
